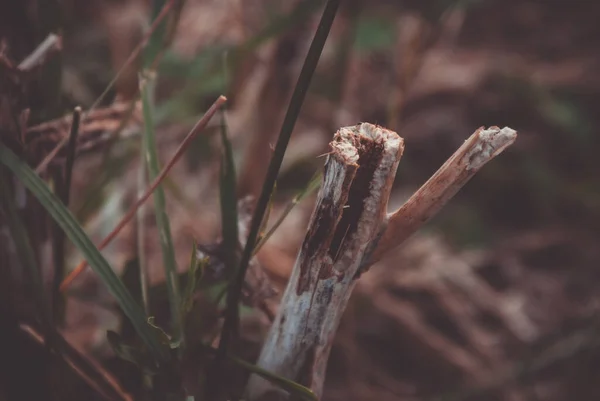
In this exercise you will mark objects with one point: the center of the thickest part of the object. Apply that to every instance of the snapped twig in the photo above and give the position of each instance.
(480, 148)
(350, 230)
(351, 207)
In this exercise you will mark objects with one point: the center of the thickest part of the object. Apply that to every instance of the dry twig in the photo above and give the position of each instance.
(480, 148)
(350, 209)
(348, 223)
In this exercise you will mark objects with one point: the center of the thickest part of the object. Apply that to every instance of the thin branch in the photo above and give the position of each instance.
(200, 125)
(480, 148)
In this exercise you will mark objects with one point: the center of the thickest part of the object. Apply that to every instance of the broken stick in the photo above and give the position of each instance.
(349, 231)
(351, 207)
(480, 148)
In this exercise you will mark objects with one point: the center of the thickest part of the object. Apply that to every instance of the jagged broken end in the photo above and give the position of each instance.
(347, 140)
(489, 143)
(376, 152)
(350, 209)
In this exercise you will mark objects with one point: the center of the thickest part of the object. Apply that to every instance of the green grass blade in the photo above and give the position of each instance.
(140, 226)
(162, 220)
(76, 234)
(308, 69)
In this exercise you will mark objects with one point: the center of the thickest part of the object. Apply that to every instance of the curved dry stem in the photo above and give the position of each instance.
(480, 148)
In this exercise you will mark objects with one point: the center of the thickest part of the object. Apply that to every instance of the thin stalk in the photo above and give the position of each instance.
(345, 225)
(63, 184)
(160, 209)
(140, 233)
(304, 79)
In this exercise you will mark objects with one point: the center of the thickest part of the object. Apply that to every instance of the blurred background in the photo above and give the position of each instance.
(495, 299)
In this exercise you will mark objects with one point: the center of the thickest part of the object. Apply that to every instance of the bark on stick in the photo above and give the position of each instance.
(347, 220)
(480, 148)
